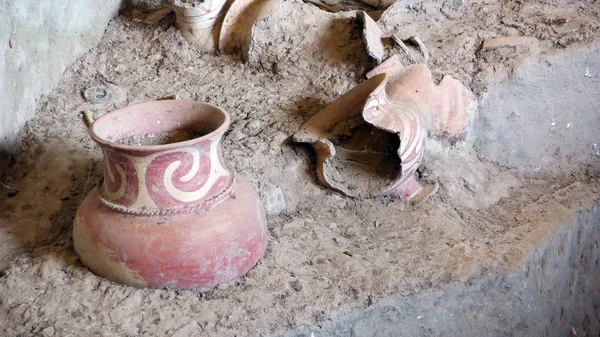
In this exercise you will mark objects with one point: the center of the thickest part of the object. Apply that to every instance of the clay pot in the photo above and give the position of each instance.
(200, 21)
(170, 215)
(371, 140)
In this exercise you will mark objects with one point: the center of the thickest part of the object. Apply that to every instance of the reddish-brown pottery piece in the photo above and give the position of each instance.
(371, 140)
(171, 215)
(447, 107)
(236, 31)
(200, 21)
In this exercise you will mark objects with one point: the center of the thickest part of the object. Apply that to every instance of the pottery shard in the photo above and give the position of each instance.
(200, 22)
(507, 41)
(565, 28)
(236, 31)
(353, 157)
(368, 145)
(388, 3)
(150, 17)
(371, 37)
(447, 106)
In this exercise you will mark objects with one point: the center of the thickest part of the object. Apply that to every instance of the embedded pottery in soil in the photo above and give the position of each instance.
(200, 21)
(170, 215)
(235, 36)
(447, 107)
(371, 140)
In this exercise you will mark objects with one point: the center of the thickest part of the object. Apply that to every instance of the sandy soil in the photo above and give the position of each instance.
(328, 255)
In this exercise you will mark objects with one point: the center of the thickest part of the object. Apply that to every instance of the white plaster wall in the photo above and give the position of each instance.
(46, 37)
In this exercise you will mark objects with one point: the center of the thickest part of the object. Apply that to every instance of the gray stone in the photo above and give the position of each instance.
(272, 198)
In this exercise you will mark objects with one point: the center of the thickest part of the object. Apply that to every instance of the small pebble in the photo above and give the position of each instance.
(560, 21)
(272, 198)
(566, 28)
(253, 126)
(296, 285)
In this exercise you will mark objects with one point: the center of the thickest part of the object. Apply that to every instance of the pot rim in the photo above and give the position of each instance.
(151, 148)
(316, 127)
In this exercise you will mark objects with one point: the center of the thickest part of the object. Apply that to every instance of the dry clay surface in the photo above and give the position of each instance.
(328, 255)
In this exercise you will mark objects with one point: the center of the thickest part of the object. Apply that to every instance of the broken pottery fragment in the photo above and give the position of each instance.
(507, 41)
(236, 31)
(383, 4)
(147, 16)
(565, 28)
(372, 37)
(446, 107)
(199, 21)
(168, 213)
(371, 140)
(417, 41)
(404, 48)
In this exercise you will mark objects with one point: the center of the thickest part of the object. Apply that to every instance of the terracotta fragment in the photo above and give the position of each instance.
(371, 140)
(416, 40)
(447, 107)
(147, 16)
(236, 31)
(404, 48)
(382, 4)
(372, 37)
(507, 41)
(200, 21)
(567, 27)
(170, 215)
(325, 6)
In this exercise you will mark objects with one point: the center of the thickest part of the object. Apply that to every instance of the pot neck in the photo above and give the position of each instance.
(161, 180)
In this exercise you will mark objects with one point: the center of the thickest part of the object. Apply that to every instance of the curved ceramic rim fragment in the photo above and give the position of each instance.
(238, 24)
(349, 105)
(372, 37)
(200, 24)
(416, 85)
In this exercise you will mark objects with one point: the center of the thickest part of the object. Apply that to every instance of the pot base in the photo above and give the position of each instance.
(196, 250)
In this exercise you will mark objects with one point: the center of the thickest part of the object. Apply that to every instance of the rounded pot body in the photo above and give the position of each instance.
(170, 215)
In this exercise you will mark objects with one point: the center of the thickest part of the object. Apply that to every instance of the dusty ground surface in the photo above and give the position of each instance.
(328, 255)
